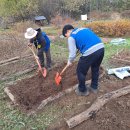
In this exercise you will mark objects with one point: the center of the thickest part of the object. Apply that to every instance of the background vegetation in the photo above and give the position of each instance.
(111, 28)
(26, 9)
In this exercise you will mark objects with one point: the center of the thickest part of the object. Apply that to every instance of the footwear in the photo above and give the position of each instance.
(95, 91)
(86, 93)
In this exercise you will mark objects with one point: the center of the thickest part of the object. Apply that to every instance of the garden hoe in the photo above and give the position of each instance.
(43, 71)
(58, 77)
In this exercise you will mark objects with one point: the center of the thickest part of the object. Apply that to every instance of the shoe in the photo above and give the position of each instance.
(86, 93)
(95, 91)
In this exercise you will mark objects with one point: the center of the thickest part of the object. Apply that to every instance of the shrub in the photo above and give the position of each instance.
(110, 28)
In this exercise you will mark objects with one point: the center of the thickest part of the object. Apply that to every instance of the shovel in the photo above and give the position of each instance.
(43, 71)
(58, 77)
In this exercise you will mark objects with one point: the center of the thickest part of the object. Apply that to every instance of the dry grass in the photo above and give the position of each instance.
(13, 42)
(22, 26)
(12, 46)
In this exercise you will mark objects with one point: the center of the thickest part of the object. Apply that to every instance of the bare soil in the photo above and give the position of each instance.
(113, 116)
(29, 93)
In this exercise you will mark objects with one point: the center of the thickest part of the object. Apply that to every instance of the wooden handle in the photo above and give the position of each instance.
(77, 53)
(32, 51)
(63, 70)
(36, 57)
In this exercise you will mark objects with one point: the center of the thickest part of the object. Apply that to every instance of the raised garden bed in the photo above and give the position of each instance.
(34, 93)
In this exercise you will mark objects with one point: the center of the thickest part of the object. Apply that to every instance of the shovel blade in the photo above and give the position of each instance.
(44, 72)
(58, 79)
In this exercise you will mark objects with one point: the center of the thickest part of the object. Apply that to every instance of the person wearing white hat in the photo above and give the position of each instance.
(41, 42)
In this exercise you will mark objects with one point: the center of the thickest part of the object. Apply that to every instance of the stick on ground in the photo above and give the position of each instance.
(100, 101)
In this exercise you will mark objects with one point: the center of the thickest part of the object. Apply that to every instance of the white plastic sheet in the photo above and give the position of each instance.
(121, 72)
(118, 41)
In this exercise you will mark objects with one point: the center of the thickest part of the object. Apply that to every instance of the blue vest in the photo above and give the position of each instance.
(47, 46)
(84, 38)
(47, 41)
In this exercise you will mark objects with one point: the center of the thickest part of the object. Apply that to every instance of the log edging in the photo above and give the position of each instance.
(95, 107)
(49, 99)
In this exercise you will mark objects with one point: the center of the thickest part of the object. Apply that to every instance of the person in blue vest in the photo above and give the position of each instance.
(42, 44)
(91, 49)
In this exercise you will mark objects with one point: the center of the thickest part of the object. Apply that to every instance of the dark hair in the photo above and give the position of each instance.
(66, 28)
(38, 29)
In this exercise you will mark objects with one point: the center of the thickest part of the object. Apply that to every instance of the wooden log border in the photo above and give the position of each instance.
(49, 99)
(96, 106)
(14, 59)
(121, 60)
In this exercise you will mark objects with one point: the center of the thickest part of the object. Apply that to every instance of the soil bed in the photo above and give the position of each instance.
(115, 115)
(29, 93)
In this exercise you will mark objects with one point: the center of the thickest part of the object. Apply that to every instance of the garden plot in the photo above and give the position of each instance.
(114, 115)
(35, 92)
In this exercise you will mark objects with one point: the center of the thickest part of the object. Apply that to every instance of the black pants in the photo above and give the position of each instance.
(85, 62)
(41, 57)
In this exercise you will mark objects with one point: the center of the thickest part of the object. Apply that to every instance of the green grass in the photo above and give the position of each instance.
(12, 119)
(51, 30)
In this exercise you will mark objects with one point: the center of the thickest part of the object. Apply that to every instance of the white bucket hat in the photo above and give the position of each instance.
(30, 33)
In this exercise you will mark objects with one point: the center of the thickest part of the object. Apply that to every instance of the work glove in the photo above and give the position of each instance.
(69, 63)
